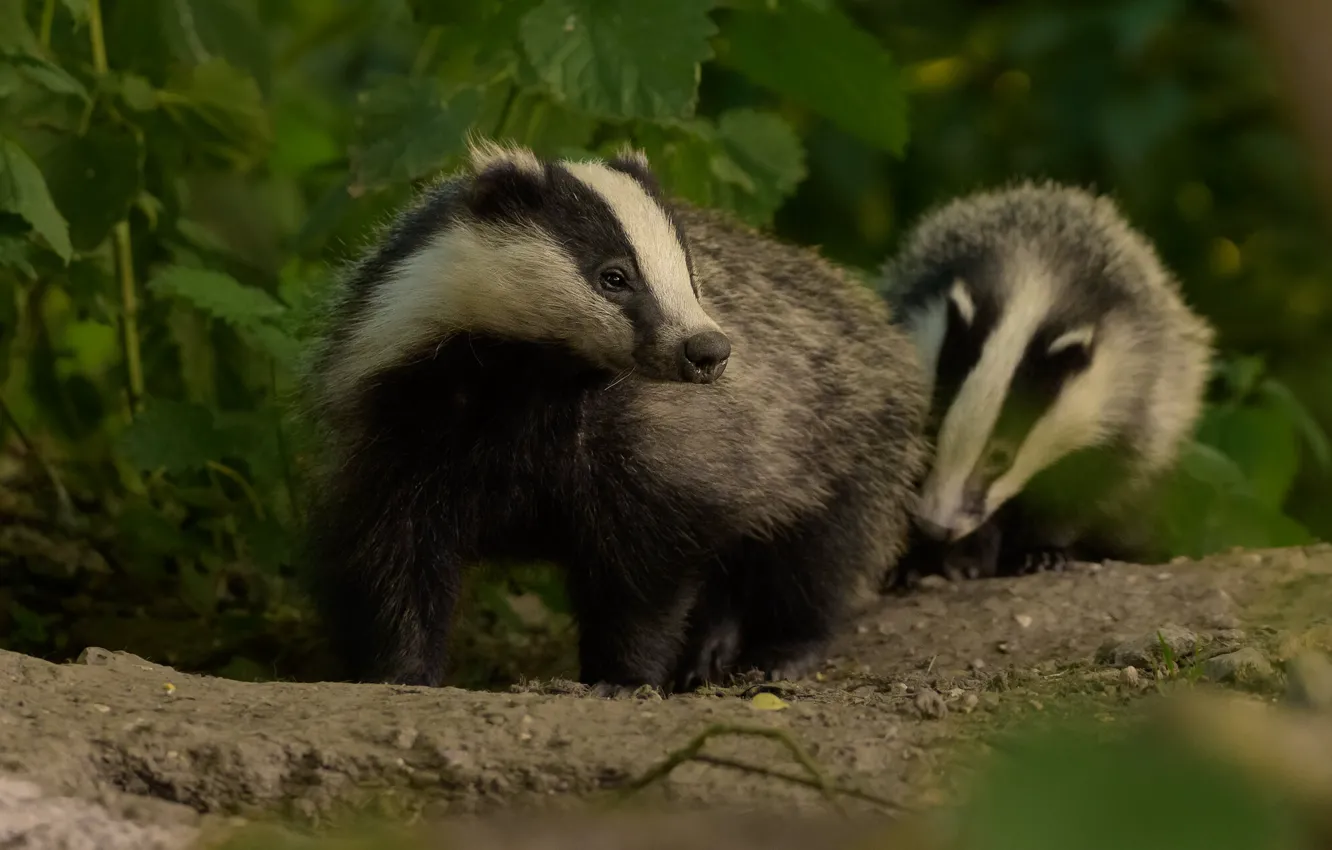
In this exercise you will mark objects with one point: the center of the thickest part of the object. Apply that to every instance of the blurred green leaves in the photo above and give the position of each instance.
(842, 73)
(621, 58)
(23, 191)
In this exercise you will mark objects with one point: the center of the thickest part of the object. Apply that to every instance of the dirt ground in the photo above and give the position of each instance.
(123, 752)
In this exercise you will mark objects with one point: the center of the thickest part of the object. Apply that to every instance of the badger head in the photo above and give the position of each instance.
(1029, 367)
(583, 254)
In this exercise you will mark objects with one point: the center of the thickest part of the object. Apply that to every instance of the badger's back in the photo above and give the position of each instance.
(822, 387)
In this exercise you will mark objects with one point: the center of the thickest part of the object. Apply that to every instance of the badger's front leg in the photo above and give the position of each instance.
(631, 623)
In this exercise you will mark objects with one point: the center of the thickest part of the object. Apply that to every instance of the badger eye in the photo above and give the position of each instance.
(614, 280)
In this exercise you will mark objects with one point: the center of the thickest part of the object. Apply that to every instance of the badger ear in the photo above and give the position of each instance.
(484, 154)
(634, 162)
(506, 183)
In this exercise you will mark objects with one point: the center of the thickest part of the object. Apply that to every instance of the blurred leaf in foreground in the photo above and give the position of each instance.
(1066, 789)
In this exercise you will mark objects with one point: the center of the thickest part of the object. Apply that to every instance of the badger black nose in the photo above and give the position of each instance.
(703, 357)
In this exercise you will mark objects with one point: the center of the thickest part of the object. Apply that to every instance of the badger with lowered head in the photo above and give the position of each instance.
(1066, 374)
(716, 435)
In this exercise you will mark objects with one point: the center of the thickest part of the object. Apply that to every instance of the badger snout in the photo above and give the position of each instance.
(703, 357)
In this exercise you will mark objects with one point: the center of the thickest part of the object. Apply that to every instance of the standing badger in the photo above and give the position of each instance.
(1066, 374)
(716, 435)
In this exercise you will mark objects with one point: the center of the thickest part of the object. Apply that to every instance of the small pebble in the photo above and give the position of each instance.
(1024, 620)
(1247, 663)
(969, 703)
(1129, 675)
(930, 704)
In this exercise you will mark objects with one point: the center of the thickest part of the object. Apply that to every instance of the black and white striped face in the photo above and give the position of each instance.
(586, 254)
(1022, 373)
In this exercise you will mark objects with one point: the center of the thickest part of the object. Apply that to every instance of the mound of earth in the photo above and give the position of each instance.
(116, 751)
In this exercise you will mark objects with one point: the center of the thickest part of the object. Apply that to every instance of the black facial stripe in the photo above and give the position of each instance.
(438, 208)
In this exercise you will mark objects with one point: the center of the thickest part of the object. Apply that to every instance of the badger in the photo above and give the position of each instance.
(715, 434)
(1065, 373)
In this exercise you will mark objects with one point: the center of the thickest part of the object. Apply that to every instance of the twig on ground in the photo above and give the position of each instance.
(692, 751)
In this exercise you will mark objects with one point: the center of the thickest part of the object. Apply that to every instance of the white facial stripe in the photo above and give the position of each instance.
(971, 418)
(1082, 337)
(962, 300)
(661, 258)
(1076, 420)
(481, 280)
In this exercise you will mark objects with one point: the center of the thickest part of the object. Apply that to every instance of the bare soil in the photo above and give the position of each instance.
(115, 748)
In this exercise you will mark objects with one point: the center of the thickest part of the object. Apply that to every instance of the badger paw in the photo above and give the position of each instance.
(788, 663)
(1045, 561)
(712, 660)
(605, 690)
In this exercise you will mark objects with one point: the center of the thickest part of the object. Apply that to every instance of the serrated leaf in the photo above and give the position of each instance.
(621, 58)
(14, 255)
(175, 436)
(823, 61)
(1279, 395)
(274, 342)
(221, 111)
(748, 163)
(769, 153)
(410, 128)
(23, 191)
(49, 76)
(15, 34)
(78, 9)
(217, 294)
(1261, 442)
(765, 701)
(133, 90)
(94, 179)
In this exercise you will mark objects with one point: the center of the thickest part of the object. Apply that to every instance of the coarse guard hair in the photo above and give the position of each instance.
(716, 435)
(1065, 369)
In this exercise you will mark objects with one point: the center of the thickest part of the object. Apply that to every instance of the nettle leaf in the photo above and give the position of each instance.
(1262, 442)
(410, 128)
(221, 111)
(217, 294)
(48, 75)
(748, 163)
(767, 150)
(823, 61)
(94, 180)
(15, 34)
(78, 9)
(23, 191)
(134, 91)
(1208, 505)
(175, 436)
(14, 255)
(621, 58)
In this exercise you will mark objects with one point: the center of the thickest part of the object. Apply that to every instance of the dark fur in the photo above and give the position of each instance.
(703, 528)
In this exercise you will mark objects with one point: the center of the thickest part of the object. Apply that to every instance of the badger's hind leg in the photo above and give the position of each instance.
(386, 576)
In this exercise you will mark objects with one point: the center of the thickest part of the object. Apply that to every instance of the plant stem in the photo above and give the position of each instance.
(48, 17)
(120, 234)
